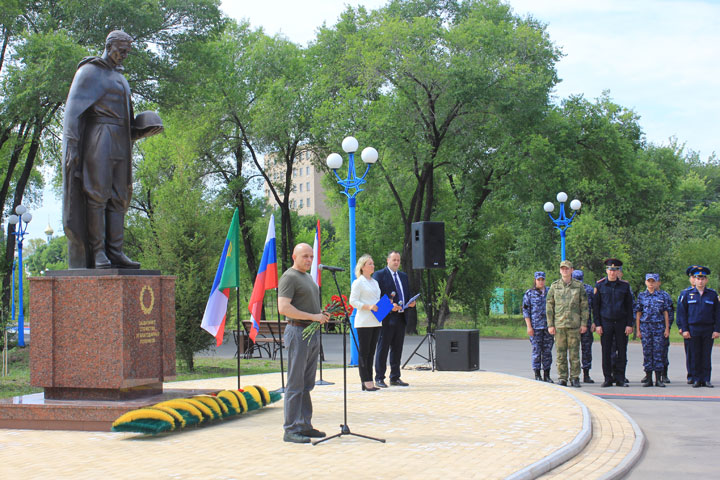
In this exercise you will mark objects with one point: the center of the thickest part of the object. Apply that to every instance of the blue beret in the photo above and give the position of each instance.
(539, 274)
(578, 274)
(652, 276)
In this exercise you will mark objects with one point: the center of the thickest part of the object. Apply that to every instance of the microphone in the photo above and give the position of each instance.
(330, 268)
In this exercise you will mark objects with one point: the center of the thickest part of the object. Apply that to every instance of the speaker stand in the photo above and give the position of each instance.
(430, 335)
(430, 338)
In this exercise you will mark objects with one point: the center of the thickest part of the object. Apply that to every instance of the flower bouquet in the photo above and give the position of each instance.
(334, 309)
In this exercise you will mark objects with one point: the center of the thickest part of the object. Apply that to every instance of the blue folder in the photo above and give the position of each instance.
(384, 306)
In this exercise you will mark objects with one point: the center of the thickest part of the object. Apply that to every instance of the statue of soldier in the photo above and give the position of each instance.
(98, 134)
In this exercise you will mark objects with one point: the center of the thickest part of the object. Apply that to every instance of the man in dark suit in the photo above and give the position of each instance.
(395, 285)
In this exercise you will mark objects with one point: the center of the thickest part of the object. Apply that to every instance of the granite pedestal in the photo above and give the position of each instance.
(102, 340)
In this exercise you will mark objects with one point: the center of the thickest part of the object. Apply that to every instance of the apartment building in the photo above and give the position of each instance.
(307, 196)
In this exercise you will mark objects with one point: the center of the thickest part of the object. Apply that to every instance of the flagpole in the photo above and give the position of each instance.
(280, 337)
(237, 338)
(317, 278)
(237, 308)
(322, 352)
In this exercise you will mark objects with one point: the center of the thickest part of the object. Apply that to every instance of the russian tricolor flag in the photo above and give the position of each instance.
(267, 278)
(226, 277)
(315, 272)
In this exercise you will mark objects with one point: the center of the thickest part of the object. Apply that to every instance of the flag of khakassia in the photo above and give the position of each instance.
(227, 276)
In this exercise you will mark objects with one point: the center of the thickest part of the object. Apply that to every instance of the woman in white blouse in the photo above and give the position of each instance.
(364, 294)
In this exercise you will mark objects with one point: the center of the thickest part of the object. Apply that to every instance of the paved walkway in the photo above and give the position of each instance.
(445, 425)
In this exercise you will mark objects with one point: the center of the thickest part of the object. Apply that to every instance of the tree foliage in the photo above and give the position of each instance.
(455, 95)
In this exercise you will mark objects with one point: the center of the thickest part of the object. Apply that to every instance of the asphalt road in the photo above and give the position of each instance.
(683, 435)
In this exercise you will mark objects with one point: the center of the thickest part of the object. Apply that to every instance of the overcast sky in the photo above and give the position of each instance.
(657, 57)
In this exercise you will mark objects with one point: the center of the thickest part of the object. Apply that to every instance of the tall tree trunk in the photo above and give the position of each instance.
(3, 49)
(20, 140)
(250, 256)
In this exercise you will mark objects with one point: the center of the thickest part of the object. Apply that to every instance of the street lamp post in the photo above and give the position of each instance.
(351, 187)
(562, 223)
(22, 217)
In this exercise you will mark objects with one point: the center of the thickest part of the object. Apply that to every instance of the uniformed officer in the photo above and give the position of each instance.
(653, 327)
(567, 309)
(614, 350)
(612, 310)
(686, 341)
(698, 316)
(666, 340)
(536, 321)
(586, 339)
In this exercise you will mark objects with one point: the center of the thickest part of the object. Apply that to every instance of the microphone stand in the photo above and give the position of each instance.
(322, 352)
(344, 429)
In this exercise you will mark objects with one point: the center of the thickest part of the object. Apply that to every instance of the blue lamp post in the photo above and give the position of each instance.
(562, 223)
(351, 187)
(22, 217)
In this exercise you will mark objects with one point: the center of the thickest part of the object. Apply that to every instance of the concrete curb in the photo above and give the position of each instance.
(563, 454)
(631, 458)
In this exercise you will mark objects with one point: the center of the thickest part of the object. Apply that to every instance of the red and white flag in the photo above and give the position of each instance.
(315, 272)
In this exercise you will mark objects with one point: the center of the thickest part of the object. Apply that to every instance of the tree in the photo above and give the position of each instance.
(48, 256)
(450, 91)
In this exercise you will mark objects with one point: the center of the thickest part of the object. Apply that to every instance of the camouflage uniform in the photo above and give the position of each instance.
(652, 328)
(542, 341)
(567, 309)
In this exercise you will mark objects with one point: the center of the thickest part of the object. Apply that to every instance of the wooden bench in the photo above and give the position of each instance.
(268, 339)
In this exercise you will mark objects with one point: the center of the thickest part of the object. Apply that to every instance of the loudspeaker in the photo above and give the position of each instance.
(457, 350)
(428, 245)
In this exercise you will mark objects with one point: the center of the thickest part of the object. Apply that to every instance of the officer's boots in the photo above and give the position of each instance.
(96, 235)
(659, 379)
(537, 375)
(665, 377)
(647, 381)
(586, 376)
(546, 376)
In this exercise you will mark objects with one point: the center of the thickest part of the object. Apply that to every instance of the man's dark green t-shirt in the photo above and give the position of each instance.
(301, 290)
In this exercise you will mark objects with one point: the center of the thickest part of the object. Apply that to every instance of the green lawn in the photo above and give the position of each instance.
(18, 380)
(511, 326)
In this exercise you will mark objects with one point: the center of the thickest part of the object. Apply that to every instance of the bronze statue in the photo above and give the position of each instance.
(98, 133)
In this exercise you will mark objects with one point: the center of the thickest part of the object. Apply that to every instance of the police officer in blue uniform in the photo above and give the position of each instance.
(586, 339)
(698, 315)
(613, 310)
(686, 341)
(653, 327)
(536, 321)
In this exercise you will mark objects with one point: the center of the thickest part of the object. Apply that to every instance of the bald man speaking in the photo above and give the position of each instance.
(299, 301)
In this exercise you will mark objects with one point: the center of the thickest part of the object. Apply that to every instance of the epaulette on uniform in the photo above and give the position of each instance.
(601, 280)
